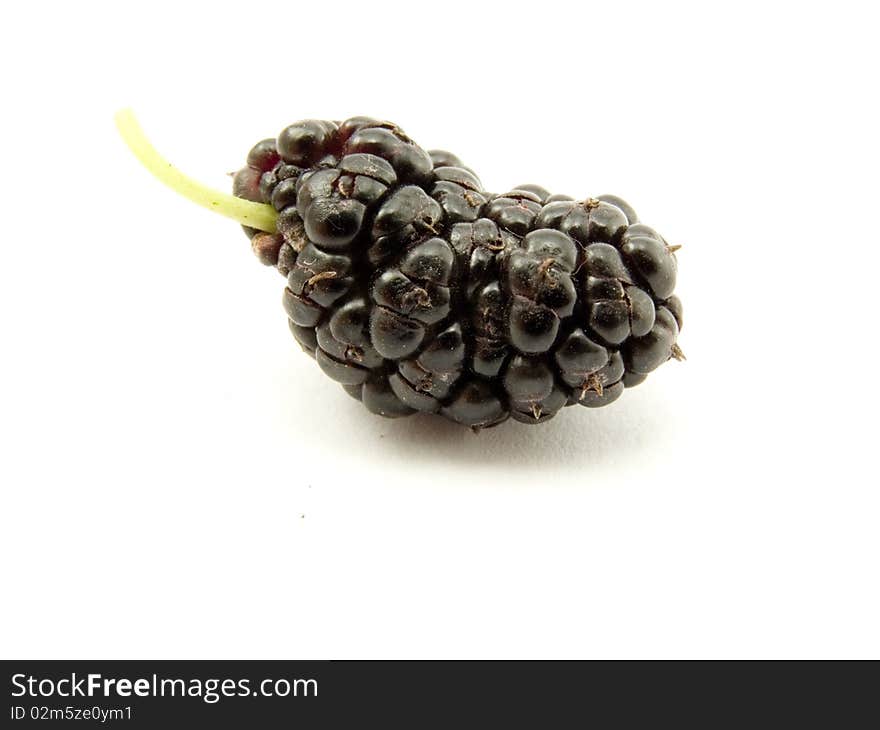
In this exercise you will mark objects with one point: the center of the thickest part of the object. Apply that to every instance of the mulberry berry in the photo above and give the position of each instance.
(456, 301)
(418, 291)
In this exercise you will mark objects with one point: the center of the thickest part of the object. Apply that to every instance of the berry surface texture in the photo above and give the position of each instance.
(417, 290)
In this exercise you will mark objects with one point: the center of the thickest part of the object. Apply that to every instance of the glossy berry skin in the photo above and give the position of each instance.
(418, 291)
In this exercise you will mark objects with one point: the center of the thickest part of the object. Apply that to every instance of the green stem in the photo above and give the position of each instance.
(255, 215)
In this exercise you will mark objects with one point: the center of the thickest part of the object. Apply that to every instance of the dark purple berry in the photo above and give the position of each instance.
(418, 291)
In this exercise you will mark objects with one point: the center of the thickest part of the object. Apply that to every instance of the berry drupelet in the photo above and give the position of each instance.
(417, 290)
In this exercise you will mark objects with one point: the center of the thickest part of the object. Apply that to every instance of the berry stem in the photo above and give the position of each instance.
(255, 215)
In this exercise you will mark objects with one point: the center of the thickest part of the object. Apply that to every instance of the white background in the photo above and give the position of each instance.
(180, 480)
